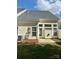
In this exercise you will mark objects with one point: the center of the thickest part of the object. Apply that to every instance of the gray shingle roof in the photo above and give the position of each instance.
(35, 16)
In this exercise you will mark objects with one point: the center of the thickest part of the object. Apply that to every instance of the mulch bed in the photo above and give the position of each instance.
(28, 42)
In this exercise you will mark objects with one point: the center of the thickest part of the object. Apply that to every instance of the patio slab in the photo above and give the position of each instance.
(45, 41)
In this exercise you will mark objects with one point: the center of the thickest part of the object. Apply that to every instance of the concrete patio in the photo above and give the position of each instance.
(45, 41)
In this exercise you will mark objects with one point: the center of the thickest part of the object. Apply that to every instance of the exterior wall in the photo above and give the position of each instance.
(59, 33)
(22, 30)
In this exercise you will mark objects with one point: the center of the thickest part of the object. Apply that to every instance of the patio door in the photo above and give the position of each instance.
(48, 33)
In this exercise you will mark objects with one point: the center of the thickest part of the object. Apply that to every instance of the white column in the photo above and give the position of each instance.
(52, 30)
(38, 31)
(43, 33)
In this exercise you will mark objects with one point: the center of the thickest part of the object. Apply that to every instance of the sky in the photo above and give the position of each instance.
(52, 6)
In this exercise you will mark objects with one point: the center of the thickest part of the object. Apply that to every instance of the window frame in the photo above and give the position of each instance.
(34, 31)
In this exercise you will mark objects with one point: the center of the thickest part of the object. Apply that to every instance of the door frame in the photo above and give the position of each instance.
(49, 29)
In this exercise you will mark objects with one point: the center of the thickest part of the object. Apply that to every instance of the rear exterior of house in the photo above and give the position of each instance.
(37, 25)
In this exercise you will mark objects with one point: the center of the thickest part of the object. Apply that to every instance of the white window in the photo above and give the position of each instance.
(47, 25)
(33, 31)
(54, 25)
(40, 25)
(55, 31)
(40, 31)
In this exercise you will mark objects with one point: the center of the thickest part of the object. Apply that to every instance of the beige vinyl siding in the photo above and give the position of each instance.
(22, 30)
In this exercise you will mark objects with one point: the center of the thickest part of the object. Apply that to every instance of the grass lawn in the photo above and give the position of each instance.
(38, 52)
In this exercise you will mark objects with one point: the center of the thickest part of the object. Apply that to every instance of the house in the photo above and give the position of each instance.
(59, 29)
(33, 24)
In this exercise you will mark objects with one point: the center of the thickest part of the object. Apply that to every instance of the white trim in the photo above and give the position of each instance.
(21, 12)
(38, 31)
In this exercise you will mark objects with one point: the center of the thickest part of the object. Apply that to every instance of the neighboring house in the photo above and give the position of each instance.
(36, 24)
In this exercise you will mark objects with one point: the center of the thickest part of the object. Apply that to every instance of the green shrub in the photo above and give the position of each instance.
(58, 43)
